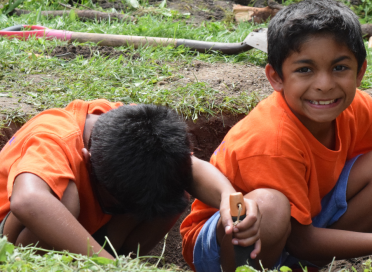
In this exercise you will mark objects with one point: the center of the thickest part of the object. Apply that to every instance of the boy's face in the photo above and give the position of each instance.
(319, 81)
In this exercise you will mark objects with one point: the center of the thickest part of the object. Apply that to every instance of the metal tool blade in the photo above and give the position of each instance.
(257, 39)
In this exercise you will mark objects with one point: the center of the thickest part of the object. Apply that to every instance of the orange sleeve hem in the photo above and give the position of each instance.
(54, 188)
(303, 219)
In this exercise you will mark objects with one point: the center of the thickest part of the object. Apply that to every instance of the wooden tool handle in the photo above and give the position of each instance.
(235, 200)
(242, 254)
(120, 40)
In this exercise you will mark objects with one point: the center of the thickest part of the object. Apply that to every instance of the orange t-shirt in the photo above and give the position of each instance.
(49, 146)
(271, 148)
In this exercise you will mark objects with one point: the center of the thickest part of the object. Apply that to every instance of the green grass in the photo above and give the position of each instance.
(27, 259)
(126, 80)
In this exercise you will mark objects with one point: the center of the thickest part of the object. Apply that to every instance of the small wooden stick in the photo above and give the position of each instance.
(66, 6)
(82, 5)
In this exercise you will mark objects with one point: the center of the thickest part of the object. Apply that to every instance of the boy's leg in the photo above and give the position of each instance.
(358, 196)
(126, 233)
(349, 202)
(274, 229)
(18, 234)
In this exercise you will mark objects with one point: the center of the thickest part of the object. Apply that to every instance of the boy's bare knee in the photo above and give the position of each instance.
(275, 224)
(276, 213)
(272, 202)
(71, 199)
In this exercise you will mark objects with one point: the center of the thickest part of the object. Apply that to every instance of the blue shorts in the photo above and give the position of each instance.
(334, 205)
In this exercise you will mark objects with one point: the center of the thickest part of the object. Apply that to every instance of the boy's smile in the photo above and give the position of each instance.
(319, 82)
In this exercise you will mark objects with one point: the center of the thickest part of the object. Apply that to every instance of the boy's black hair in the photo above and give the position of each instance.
(141, 155)
(293, 25)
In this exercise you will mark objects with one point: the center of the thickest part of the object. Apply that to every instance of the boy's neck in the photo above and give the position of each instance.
(325, 133)
(89, 123)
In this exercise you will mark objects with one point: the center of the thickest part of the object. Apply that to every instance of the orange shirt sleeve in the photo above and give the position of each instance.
(362, 113)
(44, 155)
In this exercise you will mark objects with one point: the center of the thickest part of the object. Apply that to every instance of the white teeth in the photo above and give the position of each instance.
(322, 102)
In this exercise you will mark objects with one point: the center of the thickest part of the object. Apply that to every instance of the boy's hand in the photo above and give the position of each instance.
(247, 232)
(226, 219)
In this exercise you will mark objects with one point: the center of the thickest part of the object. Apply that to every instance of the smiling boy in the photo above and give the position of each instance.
(303, 155)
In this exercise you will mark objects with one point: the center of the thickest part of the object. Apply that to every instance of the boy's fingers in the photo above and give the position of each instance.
(252, 231)
(226, 220)
(246, 241)
(257, 249)
(253, 216)
(247, 232)
(252, 209)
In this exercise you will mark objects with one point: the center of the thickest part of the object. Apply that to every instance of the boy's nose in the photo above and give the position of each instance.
(324, 82)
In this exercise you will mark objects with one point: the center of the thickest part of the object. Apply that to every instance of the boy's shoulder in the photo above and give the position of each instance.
(52, 121)
(268, 118)
(362, 102)
(266, 129)
(63, 122)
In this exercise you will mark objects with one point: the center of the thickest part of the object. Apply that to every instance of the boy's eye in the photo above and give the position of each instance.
(304, 70)
(339, 68)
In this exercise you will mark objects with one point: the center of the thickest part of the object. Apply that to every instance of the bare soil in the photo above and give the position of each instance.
(200, 10)
(229, 79)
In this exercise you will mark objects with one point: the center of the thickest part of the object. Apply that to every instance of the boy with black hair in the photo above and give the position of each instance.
(69, 177)
(303, 156)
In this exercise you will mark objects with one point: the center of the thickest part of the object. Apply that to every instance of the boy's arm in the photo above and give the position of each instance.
(318, 244)
(34, 204)
(213, 188)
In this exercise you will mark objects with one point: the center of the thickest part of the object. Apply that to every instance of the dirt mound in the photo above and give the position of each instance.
(230, 79)
(70, 52)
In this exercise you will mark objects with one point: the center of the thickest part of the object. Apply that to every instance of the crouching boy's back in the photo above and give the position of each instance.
(288, 155)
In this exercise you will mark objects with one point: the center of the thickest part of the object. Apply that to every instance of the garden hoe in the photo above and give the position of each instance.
(237, 211)
(256, 39)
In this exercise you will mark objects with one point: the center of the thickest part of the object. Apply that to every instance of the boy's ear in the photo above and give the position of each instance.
(361, 73)
(274, 78)
(86, 157)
